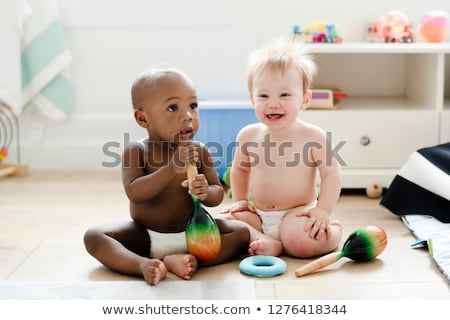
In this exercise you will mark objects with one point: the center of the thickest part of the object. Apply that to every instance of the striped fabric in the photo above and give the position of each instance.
(45, 60)
(422, 186)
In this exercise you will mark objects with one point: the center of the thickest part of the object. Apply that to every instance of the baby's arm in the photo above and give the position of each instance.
(330, 175)
(318, 224)
(330, 188)
(138, 185)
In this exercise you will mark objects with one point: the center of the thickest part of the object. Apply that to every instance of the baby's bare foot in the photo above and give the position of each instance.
(265, 247)
(183, 265)
(153, 271)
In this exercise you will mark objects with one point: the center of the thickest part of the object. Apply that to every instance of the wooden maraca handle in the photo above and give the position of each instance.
(191, 172)
(318, 264)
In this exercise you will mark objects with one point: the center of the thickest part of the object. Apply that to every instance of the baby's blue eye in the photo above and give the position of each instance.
(172, 108)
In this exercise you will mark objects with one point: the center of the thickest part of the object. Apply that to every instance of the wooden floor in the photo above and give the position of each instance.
(44, 215)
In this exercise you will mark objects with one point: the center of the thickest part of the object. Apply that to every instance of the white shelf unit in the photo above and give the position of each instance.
(398, 102)
(445, 120)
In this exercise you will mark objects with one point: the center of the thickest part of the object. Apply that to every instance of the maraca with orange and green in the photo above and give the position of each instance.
(363, 244)
(202, 233)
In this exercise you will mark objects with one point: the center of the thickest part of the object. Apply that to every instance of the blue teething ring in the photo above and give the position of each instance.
(262, 266)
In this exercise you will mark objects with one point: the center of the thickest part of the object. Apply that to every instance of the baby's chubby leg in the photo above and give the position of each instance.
(124, 247)
(298, 243)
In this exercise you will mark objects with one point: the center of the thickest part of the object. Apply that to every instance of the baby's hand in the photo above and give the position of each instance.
(198, 187)
(238, 206)
(184, 155)
(318, 223)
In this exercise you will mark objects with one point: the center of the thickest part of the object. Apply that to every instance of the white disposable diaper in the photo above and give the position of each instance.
(271, 220)
(163, 244)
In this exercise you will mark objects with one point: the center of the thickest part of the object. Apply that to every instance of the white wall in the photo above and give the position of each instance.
(113, 40)
(9, 53)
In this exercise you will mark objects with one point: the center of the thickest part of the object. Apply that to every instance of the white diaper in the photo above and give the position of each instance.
(271, 220)
(163, 244)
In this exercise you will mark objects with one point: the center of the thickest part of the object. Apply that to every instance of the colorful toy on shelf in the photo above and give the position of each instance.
(434, 26)
(9, 136)
(202, 233)
(393, 26)
(326, 98)
(363, 244)
(317, 32)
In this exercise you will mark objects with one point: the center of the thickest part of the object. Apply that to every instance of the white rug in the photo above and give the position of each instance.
(129, 290)
(436, 235)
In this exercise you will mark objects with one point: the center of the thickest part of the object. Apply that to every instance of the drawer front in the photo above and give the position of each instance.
(376, 139)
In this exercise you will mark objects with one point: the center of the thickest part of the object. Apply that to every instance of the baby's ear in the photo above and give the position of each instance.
(306, 100)
(141, 118)
(252, 100)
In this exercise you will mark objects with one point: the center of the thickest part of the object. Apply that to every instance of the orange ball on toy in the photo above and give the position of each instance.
(434, 26)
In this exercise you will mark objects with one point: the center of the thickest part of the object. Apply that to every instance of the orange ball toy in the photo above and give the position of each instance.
(434, 26)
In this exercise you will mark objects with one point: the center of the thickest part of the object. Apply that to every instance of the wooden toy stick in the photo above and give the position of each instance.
(320, 263)
(191, 172)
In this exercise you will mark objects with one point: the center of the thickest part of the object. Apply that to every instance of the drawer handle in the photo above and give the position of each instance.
(365, 140)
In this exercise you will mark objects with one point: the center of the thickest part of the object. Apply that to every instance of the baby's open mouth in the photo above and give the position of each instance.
(274, 116)
(185, 134)
(186, 131)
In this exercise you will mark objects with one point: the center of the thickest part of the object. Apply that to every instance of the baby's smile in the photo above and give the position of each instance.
(274, 116)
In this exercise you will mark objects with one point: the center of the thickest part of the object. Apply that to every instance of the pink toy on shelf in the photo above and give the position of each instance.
(434, 26)
(393, 26)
